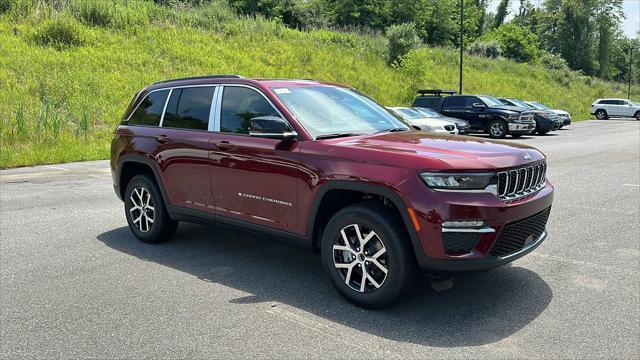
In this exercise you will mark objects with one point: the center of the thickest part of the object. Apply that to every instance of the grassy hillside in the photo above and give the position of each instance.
(67, 74)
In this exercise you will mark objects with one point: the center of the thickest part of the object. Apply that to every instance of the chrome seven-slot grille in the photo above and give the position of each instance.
(521, 181)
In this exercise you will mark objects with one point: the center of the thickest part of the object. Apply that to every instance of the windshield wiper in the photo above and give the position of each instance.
(336, 135)
(392, 130)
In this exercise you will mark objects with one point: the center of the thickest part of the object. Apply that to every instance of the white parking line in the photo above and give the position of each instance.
(634, 185)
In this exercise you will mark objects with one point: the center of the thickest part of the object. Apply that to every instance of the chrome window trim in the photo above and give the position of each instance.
(164, 108)
(214, 113)
(165, 88)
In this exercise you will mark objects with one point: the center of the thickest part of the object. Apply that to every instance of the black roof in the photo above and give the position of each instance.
(201, 77)
(436, 92)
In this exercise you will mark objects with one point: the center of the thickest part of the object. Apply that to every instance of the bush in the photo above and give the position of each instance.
(490, 49)
(553, 62)
(62, 32)
(5, 6)
(517, 42)
(107, 13)
(18, 9)
(402, 38)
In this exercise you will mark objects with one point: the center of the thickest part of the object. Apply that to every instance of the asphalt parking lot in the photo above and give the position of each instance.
(75, 283)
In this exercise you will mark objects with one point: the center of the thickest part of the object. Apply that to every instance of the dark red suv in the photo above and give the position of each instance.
(324, 166)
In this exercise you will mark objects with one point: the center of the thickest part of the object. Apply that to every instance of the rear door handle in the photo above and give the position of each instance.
(224, 145)
(161, 139)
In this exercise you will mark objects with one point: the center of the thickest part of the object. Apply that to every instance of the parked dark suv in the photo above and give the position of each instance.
(546, 121)
(323, 166)
(484, 113)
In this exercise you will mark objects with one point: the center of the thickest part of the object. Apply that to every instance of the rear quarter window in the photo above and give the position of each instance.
(149, 111)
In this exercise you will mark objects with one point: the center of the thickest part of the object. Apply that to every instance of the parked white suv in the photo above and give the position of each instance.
(606, 108)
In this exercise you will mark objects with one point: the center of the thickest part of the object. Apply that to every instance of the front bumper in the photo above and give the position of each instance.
(517, 128)
(437, 207)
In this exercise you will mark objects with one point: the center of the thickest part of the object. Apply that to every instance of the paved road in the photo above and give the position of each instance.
(75, 283)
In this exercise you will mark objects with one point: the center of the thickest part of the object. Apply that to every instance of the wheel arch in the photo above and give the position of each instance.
(352, 192)
(132, 165)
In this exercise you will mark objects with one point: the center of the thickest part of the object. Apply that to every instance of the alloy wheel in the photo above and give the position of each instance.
(142, 212)
(497, 129)
(361, 258)
(601, 114)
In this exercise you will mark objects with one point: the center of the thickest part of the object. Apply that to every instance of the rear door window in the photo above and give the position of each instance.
(150, 109)
(189, 108)
(454, 101)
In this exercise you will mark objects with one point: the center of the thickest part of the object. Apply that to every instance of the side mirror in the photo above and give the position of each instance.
(271, 127)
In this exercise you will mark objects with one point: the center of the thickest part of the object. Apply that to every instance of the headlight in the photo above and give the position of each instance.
(458, 181)
(513, 117)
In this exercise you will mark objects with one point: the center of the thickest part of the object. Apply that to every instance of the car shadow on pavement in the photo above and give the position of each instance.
(479, 309)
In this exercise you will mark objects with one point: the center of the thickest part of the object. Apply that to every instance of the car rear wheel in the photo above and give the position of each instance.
(637, 115)
(145, 211)
(601, 114)
(367, 255)
(498, 129)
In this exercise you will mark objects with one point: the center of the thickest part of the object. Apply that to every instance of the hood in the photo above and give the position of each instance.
(559, 112)
(458, 152)
(512, 108)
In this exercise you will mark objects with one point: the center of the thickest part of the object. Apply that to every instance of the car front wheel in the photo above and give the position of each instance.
(145, 211)
(367, 256)
(498, 129)
(601, 114)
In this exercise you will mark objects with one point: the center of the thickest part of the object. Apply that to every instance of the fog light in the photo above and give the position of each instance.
(463, 223)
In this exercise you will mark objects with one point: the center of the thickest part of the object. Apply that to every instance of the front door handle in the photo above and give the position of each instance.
(224, 145)
(161, 139)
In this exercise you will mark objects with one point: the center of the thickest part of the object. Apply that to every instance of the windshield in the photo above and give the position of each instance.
(325, 110)
(428, 112)
(522, 104)
(539, 106)
(490, 101)
(408, 114)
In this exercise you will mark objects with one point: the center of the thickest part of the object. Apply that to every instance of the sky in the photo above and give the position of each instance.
(631, 9)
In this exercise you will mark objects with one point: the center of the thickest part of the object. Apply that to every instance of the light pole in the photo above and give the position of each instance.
(630, 60)
(461, 40)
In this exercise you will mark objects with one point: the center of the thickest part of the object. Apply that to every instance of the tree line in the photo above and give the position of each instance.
(584, 35)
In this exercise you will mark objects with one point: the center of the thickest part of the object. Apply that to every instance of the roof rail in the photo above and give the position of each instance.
(436, 92)
(202, 77)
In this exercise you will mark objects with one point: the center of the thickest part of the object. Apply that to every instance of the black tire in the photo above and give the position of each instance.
(637, 115)
(398, 258)
(498, 129)
(601, 114)
(516, 135)
(161, 227)
(542, 132)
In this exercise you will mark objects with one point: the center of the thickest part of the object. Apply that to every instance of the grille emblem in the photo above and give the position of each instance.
(526, 156)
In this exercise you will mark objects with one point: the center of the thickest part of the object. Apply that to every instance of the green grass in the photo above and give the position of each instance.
(66, 75)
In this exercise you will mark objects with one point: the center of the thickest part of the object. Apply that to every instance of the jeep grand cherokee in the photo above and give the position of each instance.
(323, 165)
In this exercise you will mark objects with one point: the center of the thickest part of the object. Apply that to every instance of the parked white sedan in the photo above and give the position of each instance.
(417, 120)
(606, 108)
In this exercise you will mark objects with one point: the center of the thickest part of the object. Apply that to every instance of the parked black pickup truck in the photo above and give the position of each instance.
(484, 113)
